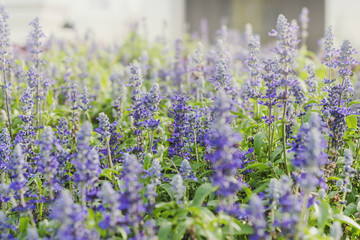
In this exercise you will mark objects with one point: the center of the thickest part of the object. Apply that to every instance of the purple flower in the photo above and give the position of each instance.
(35, 42)
(222, 78)
(304, 22)
(5, 150)
(178, 188)
(85, 101)
(87, 160)
(330, 51)
(253, 66)
(104, 126)
(63, 132)
(186, 171)
(6, 227)
(71, 217)
(311, 80)
(155, 172)
(223, 154)
(177, 141)
(130, 199)
(18, 168)
(110, 198)
(285, 205)
(308, 153)
(256, 215)
(48, 163)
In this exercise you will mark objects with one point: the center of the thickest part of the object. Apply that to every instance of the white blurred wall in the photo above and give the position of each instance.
(344, 16)
(110, 20)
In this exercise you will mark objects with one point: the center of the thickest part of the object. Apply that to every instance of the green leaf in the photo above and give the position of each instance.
(202, 192)
(353, 102)
(351, 121)
(323, 214)
(275, 153)
(258, 142)
(278, 171)
(347, 220)
(23, 223)
(147, 161)
(260, 166)
(333, 178)
(181, 228)
(350, 209)
(164, 230)
(167, 188)
(245, 229)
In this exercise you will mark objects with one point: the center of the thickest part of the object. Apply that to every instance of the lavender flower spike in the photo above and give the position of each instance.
(178, 189)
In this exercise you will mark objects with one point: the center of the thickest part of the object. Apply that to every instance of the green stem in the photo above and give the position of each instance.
(151, 139)
(357, 150)
(109, 152)
(303, 218)
(284, 132)
(196, 147)
(270, 142)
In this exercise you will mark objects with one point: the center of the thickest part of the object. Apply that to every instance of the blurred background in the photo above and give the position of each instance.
(112, 20)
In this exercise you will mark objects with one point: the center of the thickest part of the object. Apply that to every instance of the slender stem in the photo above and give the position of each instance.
(341, 90)
(196, 147)
(284, 132)
(41, 210)
(343, 200)
(151, 139)
(109, 152)
(273, 208)
(357, 150)
(302, 219)
(270, 143)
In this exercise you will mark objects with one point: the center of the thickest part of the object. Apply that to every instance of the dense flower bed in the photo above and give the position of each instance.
(191, 141)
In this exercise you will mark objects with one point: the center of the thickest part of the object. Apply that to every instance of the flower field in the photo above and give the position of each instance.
(179, 140)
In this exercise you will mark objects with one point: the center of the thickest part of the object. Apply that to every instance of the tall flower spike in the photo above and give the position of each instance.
(110, 198)
(5, 150)
(85, 100)
(63, 132)
(18, 169)
(104, 126)
(186, 171)
(178, 188)
(48, 163)
(71, 217)
(330, 51)
(256, 213)
(221, 80)
(35, 41)
(87, 161)
(131, 200)
(311, 79)
(5, 227)
(309, 156)
(177, 141)
(304, 22)
(155, 171)
(253, 67)
(4, 59)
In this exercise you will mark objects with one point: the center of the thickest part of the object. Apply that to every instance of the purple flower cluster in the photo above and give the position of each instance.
(71, 217)
(180, 111)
